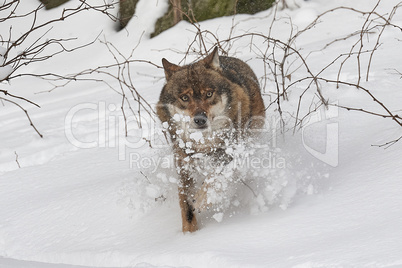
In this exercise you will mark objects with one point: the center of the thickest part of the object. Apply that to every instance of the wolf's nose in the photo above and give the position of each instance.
(200, 119)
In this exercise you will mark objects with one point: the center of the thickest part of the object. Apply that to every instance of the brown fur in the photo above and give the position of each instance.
(217, 96)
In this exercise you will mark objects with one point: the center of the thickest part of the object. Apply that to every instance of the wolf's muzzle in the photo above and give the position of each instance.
(200, 119)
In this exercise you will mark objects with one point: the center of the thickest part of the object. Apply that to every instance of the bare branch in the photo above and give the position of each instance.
(18, 97)
(20, 50)
(26, 113)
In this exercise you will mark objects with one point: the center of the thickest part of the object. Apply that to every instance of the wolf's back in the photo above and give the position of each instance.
(238, 72)
(241, 73)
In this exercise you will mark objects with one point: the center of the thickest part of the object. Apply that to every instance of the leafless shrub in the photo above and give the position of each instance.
(121, 73)
(283, 61)
(19, 49)
(286, 66)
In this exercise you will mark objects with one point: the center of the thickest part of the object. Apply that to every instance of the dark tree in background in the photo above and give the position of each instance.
(189, 10)
(253, 6)
(200, 10)
(53, 3)
(126, 11)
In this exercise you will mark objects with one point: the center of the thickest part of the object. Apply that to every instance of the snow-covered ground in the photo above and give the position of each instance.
(325, 196)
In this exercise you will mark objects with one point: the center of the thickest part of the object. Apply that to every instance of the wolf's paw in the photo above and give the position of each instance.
(200, 201)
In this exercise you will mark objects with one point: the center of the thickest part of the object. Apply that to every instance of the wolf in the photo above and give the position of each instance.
(205, 106)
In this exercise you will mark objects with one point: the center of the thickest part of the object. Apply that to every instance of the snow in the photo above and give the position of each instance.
(87, 196)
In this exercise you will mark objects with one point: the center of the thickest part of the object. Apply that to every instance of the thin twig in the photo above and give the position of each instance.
(16, 159)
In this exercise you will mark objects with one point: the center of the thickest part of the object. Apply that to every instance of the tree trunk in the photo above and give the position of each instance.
(177, 13)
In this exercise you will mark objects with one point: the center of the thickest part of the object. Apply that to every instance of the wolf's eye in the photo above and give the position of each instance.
(184, 98)
(209, 94)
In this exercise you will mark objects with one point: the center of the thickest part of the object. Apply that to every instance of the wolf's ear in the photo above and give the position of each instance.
(212, 60)
(169, 68)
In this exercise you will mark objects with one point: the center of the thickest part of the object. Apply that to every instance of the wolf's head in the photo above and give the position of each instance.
(197, 95)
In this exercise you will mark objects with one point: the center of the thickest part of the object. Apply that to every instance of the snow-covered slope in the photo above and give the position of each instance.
(112, 205)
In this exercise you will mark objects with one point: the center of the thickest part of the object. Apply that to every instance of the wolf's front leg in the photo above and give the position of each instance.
(189, 222)
(186, 192)
(200, 200)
